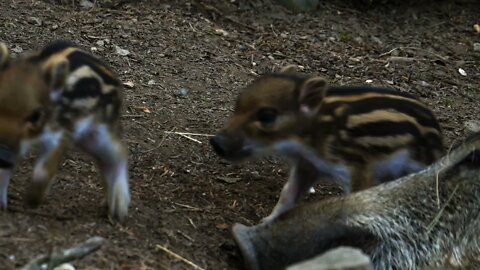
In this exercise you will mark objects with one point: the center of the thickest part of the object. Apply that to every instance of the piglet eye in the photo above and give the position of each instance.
(267, 115)
(35, 117)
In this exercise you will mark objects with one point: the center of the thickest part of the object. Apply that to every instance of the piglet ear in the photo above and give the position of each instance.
(289, 69)
(311, 93)
(4, 55)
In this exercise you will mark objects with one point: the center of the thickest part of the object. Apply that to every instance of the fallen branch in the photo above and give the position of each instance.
(55, 259)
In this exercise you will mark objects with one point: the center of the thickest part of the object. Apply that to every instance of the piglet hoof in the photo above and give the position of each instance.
(118, 205)
(276, 213)
(118, 211)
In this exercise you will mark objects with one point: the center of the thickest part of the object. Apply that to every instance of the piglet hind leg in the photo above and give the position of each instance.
(105, 145)
(398, 165)
(5, 175)
(52, 148)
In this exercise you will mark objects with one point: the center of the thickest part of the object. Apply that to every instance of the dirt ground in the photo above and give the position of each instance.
(183, 196)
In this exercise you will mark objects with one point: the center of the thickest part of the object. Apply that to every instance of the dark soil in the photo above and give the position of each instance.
(182, 198)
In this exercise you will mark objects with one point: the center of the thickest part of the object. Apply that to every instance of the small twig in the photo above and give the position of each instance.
(190, 138)
(389, 52)
(191, 222)
(191, 134)
(439, 214)
(188, 206)
(193, 28)
(417, 49)
(437, 191)
(175, 255)
(66, 255)
(186, 236)
(273, 30)
(158, 145)
(187, 135)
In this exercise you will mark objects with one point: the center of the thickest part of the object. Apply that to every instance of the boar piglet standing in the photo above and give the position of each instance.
(357, 136)
(55, 96)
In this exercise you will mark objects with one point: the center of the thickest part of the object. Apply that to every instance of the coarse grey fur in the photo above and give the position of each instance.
(401, 224)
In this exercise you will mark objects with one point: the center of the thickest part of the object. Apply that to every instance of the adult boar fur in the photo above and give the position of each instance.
(404, 224)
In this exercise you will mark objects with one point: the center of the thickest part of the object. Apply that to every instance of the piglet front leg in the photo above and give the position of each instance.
(307, 170)
(299, 153)
(302, 178)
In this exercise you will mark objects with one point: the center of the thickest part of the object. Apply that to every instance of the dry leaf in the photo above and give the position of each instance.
(222, 226)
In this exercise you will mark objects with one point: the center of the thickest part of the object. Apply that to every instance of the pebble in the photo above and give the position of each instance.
(183, 92)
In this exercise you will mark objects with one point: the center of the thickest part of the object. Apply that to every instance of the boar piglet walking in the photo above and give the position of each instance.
(357, 136)
(50, 98)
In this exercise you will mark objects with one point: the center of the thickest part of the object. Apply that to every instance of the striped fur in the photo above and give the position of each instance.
(57, 95)
(359, 127)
